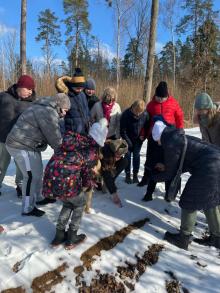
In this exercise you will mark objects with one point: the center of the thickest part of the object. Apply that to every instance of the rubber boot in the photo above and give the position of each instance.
(73, 239)
(178, 239)
(128, 178)
(60, 237)
(135, 178)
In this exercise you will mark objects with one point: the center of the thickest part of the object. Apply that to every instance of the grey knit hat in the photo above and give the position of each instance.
(63, 101)
(90, 84)
(203, 101)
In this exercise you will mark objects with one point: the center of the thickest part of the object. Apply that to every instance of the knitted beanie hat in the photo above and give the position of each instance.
(203, 101)
(98, 131)
(26, 81)
(157, 130)
(90, 84)
(78, 80)
(63, 101)
(162, 90)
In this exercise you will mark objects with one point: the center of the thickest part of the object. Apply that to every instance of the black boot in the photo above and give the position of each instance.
(206, 240)
(60, 237)
(144, 181)
(147, 197)
(179, 239)
(73, 239)
(135, 178)
(19, 191)
(216, 241)
(35, 212)
(128, 178)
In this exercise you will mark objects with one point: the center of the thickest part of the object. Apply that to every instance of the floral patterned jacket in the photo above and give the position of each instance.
(70, 168)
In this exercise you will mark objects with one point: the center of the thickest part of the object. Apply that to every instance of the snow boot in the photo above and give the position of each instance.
(135, 178)
(178, 239)
(147, 197)
(60, 237)
(35, 212)
(19, 191)
(128, 178)
(73, 239)
(46, 201)
(144, 181)
(206, 240)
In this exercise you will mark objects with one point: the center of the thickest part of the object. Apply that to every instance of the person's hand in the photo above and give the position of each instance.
(159, 167)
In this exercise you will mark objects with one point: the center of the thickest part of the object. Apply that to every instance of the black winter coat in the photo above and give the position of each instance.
(11, 106)
(77, 118)
(131, 126)
(202, 161)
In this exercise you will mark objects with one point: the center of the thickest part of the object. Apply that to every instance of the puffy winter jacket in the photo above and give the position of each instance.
(11, 106)
(202, 161)
(69, 169)
(169, 109)
(36, 127)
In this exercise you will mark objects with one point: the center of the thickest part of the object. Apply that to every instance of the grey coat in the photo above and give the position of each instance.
(36, 127)
(211, 133)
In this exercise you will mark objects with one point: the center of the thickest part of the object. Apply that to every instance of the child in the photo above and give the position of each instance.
(68, 173)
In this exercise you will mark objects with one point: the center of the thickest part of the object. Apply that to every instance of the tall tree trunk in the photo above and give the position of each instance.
(23, 60)
(174, 61)
(118, 51)
(151, 51)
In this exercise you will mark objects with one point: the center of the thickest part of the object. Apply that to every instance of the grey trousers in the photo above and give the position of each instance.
(31, 166)
(5, 159)
(188, 220)
(72, 210)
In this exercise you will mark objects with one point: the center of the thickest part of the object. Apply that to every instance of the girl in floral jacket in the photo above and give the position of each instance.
(68, 173)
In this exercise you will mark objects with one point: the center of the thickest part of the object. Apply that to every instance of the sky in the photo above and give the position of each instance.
(100, 16)
(26, 256)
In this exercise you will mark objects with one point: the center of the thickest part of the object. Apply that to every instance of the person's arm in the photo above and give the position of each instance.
(109, 181)
(123, 129)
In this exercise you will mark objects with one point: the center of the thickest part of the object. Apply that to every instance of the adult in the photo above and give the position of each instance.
(207, 115)
(108, 108)
(36, 127)
(13, 102)
(90, 88)
(201, 160)
(165, 105)
(77, 118)
(133, 126)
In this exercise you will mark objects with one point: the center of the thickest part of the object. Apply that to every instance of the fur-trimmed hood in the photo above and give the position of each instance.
(61, 84)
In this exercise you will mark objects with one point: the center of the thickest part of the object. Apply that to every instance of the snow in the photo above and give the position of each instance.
(26, 240)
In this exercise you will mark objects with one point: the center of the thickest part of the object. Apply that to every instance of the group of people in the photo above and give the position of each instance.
(92, 139)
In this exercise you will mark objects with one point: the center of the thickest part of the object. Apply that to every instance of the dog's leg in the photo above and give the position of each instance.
(89, 194)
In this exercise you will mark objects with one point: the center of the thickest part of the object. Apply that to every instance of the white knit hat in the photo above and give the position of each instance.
(98, 131)
(157, 130)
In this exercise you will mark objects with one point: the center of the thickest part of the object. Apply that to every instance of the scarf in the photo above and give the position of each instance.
(107, 109)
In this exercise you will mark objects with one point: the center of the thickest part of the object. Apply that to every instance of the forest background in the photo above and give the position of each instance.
(189, 61)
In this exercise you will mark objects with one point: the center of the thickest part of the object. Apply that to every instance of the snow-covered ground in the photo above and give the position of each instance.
(25, 252)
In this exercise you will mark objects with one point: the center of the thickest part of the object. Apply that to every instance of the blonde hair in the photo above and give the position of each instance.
(138, 105)
(109, 91)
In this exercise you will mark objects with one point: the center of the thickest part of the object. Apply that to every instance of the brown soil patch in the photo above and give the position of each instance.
(48, 280)
(14, 290)
(126, 276)
(174, 285)
(106, 244)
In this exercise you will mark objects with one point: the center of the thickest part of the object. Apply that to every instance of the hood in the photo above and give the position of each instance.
(12, 91)
(47, 101)
(61, 84)
(172, 135)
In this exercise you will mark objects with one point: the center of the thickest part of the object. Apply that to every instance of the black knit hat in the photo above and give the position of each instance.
(162, 90)
(78, 80)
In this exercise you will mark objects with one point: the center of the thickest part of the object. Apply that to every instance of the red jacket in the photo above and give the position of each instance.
(170, 110)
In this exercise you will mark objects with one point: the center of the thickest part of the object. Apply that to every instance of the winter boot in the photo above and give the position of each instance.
(206, 240)
(60, 237)
(216, 241)
(147, 197)
(73, 239)
(128, 178)
(135, 178)
(144, 181)
(35, 212)
(19, 191)
(178, 239)
(46, 201)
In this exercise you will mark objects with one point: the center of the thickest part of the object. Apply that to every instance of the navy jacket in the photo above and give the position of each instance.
(202, 161)
(77, 118)
(131, 126)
